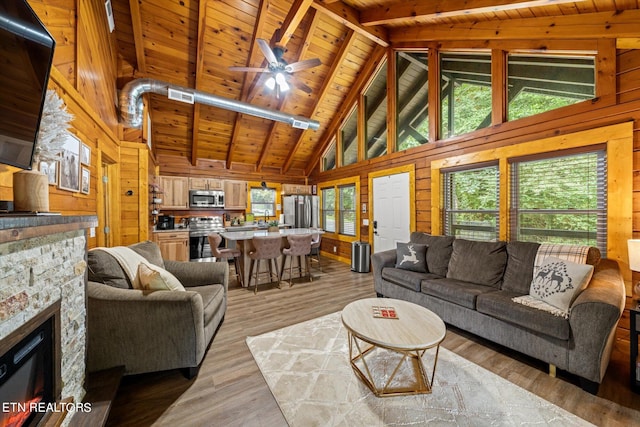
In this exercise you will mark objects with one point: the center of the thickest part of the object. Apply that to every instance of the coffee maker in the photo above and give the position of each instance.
(166, 222)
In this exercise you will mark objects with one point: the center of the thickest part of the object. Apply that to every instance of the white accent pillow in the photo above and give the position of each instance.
(154, 278)
(558, 282)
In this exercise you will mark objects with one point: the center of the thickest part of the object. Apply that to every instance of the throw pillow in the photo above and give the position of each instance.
(558, 282)
(154, 278)
(411, 256)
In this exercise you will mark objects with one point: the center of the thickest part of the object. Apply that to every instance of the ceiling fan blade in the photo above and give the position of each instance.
(267, 52)
(302, 65)
(250, 69)
(303, 87)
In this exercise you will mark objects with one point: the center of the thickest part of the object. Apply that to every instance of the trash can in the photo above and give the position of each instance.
(360, 254)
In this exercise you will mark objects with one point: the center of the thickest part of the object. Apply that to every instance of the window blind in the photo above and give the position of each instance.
(560, 199)
(471, 202)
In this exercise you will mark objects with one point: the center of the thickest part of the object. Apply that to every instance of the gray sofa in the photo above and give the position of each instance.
(147, 331)
(494, 273)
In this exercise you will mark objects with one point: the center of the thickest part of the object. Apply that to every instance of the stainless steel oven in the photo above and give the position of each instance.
(206, 199)
(199, 229)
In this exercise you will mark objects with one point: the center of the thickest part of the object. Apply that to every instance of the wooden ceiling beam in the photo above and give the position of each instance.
(350, 17)
(282, 102)
(405, 12)
(297, 12)
(366, 71)
(335, 66)
(247, 87)
(138, 39)
(614, 24)
(202, 26)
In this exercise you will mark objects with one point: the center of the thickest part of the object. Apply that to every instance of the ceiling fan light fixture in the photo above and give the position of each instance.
(284, 86)
(270, 83)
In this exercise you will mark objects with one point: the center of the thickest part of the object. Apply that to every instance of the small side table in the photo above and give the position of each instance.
(634, 314)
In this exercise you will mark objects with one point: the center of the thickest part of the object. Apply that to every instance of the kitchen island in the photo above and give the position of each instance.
(242, 241)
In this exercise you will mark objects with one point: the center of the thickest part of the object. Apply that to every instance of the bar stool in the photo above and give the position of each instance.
(299, 246)
(268, 249)
(225, 253)
(315, 250)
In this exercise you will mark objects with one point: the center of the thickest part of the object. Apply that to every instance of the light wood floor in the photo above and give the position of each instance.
(230, 390)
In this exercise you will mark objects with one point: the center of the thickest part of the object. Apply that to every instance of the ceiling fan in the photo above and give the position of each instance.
(279, 69)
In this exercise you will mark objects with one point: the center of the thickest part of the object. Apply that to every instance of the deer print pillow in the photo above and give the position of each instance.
(411, 256)
(558, 282)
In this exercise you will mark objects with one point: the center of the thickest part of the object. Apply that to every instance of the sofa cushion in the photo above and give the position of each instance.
(519, 271)
(154, 278)
(150, 251)
(455, 291)
(478, 262)
(499, 304)
(406, 278)
(439, 251)
(411, 256)
(103, 268)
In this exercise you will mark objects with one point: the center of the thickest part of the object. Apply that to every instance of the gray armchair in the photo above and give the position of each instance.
(147, 331)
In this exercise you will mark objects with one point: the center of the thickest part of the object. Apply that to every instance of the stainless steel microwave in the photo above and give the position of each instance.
(206, 198)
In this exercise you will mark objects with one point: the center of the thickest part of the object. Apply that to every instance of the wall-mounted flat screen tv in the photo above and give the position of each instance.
(26, 55)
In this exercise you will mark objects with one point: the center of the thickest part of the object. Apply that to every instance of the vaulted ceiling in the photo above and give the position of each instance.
(193, 43)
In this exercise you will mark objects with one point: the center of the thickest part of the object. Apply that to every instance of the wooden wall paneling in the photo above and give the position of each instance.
(59, 17)
(96, 62)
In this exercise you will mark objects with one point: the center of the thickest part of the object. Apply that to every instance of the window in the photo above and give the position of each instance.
(375, 115)
(349, 139)
(263, 201)
(329, 157)
(539, 83)
(329, 209)
(465, 91)
(471, 203)
(561, 199)
(348, 210)
(412, 84)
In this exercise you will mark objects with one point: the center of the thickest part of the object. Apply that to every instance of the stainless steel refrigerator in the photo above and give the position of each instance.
(301, 211)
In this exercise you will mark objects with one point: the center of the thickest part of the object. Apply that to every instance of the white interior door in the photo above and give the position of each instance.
(391, 211)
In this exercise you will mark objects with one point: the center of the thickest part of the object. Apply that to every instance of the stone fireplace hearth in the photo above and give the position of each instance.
(43, 263)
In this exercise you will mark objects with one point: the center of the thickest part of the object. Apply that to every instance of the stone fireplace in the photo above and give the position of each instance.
(43, 270)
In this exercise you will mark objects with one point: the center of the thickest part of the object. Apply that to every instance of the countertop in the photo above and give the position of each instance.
(284, 232)
(175, 230)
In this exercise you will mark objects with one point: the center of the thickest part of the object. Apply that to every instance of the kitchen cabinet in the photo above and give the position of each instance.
(175, 192)
(205, 184)
(174, 245)
(235, 194)
(295, 189)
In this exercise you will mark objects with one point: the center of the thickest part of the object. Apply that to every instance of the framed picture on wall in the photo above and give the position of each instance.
(85, 154)
(69, 172)
(85, 178)
(50, 168)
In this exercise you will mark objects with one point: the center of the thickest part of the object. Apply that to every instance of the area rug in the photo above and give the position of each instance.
(307, 369)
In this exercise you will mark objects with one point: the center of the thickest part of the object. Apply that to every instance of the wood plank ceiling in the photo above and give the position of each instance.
(193, 43)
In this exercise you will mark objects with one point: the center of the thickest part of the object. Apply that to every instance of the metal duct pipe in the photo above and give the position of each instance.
(131, 103)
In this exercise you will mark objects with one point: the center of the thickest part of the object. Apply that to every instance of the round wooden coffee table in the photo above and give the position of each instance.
(414, 331)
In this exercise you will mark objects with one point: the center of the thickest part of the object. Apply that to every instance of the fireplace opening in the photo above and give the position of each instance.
(27, 376)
